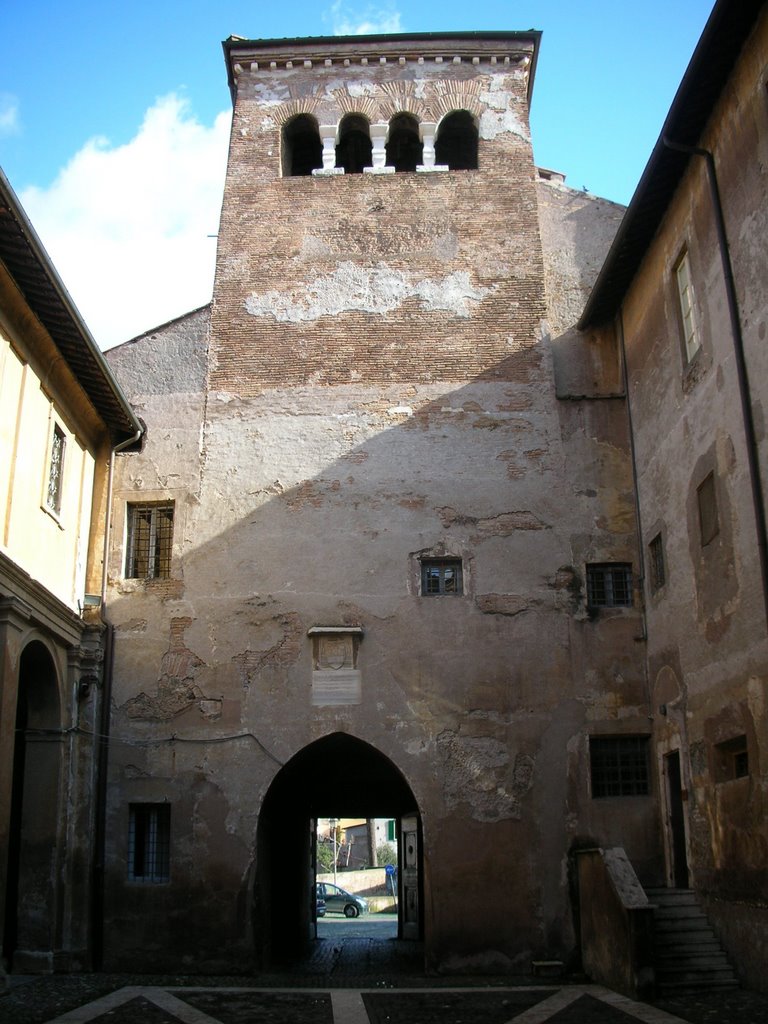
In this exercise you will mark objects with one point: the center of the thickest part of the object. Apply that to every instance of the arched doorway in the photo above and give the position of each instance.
(30, 905)
(337, 775)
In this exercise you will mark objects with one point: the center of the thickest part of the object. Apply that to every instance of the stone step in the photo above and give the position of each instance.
(706, 960)
(702, 937)
(681, 987)
(672, 897)
(683, 966)
(678, 923)
(688, 955)
(666, 925)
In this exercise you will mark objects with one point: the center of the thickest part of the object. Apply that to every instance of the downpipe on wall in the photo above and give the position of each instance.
(102, 747)
(745, 394)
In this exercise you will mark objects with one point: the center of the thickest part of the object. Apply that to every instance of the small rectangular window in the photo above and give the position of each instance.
(56, 471)
(149, 541)
(707, 500)
(731, 759)
(440, 576)
(609, 585)
(149, 843)
(619, 765)
(686, 297)
(656, 563)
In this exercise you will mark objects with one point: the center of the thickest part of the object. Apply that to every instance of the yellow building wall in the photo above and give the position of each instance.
(51, 546)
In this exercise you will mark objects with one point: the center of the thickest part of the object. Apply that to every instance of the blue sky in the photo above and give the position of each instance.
(114, 117)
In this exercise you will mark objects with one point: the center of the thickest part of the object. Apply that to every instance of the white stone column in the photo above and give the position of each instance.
(328, 135)
(427, 132)
(379, 134)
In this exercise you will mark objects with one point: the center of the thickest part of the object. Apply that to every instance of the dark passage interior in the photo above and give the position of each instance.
(337, 775)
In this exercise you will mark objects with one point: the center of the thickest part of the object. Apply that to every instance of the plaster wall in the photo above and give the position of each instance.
(379, 389)
(708, 656)
(37, 396)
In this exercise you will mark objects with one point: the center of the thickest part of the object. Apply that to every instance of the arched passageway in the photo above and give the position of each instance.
(340, 776)
(29, 897)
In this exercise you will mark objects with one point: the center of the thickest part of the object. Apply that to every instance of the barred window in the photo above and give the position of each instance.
(440, 576)
(656, 563)
(149, 843)
(609, 585)
(150, 539)
(56, 470)
(619, 765)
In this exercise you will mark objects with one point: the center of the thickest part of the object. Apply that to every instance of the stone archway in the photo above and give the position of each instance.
(28, 934)
(336, 775)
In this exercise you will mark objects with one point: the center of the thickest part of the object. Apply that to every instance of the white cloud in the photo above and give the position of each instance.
(371, 19)
(127, 226)
(9, 114)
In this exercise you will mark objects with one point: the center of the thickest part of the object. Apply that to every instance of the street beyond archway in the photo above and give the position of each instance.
(370, 926)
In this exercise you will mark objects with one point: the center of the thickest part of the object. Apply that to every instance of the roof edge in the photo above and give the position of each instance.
(45, 264)
(706, 75)
(319, 47)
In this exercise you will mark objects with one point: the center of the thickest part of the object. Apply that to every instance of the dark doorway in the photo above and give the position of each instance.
(337, 775)
(29, 903)
(676, 820)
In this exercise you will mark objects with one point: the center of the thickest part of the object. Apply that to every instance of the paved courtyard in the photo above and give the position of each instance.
(353, 979)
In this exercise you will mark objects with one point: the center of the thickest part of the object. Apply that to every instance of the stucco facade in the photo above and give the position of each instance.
(701, 457)
(61, 414)
(386, 383)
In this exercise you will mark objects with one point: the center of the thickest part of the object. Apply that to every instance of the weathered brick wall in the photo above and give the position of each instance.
(380, 388)
(401, 277)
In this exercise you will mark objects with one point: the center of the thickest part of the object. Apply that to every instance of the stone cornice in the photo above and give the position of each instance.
(511, 49)
(24, 600)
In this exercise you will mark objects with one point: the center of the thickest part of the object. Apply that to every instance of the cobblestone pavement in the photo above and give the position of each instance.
(354, 981)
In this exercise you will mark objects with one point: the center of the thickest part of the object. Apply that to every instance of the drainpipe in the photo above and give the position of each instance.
(750, 435)
(633, 461)
(102, 746)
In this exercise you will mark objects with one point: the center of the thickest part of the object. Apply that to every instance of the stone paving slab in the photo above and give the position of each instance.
(448, 1007)
(575, 1004)
(350, 999)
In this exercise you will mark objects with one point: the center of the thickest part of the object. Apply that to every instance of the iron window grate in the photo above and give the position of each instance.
(609, 585)
(56, 471)
(149, 843)
(657, 566)
(150, 541)
(619, 765)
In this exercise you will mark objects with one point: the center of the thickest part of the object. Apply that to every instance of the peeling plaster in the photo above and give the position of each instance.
(498, 118)
(359, 89)
(502, 525)
(477, 771)
(379, 290)
(176, 689)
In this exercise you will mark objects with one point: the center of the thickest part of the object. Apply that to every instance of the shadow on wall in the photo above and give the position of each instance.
(318, 508)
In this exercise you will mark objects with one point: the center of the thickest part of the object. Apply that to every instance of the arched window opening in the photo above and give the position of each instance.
(302, 148)
(354, 150)
(404, 149)
(456, 142)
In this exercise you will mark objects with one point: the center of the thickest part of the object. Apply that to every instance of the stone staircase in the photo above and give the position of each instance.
(688, 955)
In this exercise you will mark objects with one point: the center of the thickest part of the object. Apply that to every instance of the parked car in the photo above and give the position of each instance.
(319, 905)
(339, 901)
